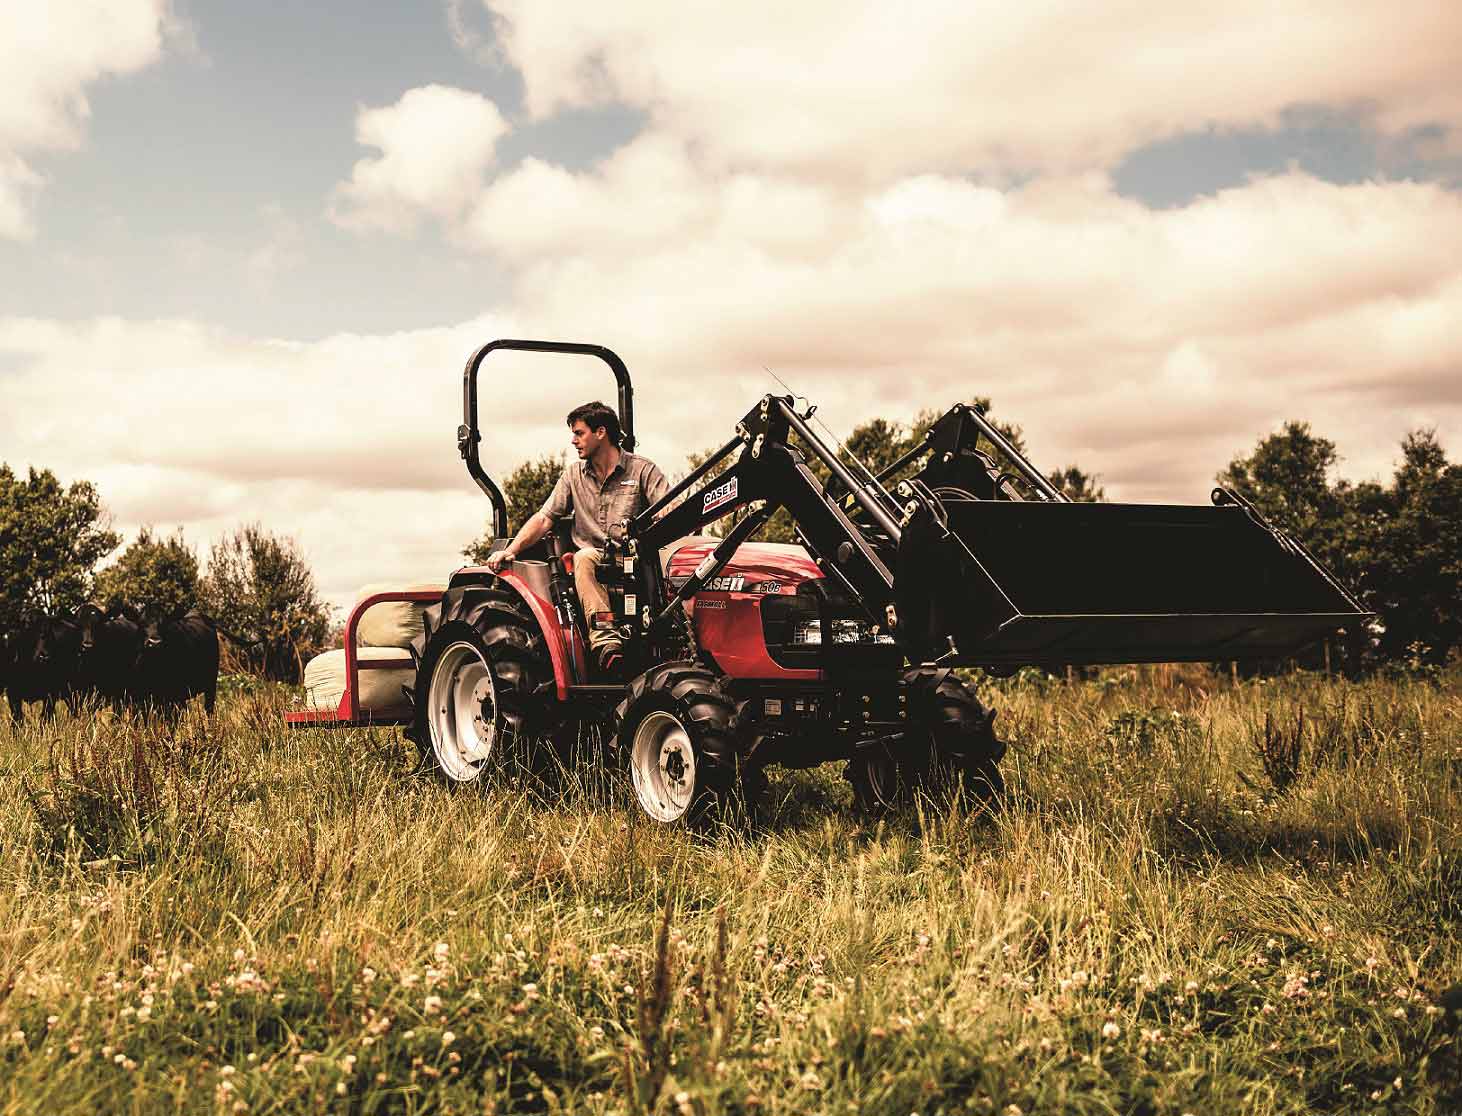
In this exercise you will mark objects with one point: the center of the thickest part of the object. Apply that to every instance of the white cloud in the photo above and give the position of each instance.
(50, 53)
(1147, 346)
(436, 145)
(882, 90)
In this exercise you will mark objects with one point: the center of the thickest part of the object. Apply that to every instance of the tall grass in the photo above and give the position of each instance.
(228, 916)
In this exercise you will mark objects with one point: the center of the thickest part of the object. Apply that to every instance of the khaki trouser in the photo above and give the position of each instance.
(593, 598)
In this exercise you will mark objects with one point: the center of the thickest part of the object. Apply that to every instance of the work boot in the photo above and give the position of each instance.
(611, 660)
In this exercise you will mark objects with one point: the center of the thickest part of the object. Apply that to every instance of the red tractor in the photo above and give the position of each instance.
(742, 654)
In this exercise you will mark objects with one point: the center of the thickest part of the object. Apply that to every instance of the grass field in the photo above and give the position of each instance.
(1178, 911)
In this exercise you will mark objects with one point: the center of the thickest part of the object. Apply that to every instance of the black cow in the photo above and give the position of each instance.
(179, 661)
(111, 644)
(44, 657)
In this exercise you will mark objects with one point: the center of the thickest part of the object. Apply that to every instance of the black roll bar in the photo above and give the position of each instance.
(469, 436)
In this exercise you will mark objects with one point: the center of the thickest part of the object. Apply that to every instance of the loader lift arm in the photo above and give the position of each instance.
(965, 569)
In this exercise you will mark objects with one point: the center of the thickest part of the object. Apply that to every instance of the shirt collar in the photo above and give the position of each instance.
(625, 458)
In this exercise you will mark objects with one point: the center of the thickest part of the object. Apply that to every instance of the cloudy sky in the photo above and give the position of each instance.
(246, 249)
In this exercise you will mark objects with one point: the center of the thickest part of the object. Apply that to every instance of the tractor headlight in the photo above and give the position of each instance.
(809, 633)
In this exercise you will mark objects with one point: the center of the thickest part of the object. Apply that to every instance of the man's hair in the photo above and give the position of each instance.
(596, 415)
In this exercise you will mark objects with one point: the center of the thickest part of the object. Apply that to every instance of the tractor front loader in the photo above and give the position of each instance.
(740, 654)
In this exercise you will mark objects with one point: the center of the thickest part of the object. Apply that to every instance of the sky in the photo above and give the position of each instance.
(245, 250)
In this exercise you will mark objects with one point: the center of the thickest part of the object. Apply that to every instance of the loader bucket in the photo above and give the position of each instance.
(1011, 583)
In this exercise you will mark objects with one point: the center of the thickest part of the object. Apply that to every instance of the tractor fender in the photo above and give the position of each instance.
(566, 657)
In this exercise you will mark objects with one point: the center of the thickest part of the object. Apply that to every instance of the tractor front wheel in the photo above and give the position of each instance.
(677, 733)
(950, 743)
(480, 665)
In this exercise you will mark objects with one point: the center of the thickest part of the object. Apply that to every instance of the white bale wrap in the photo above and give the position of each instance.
(380, 690)
(391, 623)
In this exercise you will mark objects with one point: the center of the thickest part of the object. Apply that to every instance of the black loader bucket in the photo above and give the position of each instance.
(1006, 582)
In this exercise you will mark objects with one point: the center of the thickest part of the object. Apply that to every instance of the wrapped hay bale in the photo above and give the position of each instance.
(380, 690)
(391, 623)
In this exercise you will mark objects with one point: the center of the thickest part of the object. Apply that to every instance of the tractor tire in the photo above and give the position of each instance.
(951, 743)
(483, 684)
(677, 736)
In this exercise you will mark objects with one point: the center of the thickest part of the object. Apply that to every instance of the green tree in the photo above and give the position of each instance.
(1078, 485)
(525, 491)
(51, 538)
(1412, 574)
(1287, 477)
(158, 575)
(1398, 547)
(260, 587)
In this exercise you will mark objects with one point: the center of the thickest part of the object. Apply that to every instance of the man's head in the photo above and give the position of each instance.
(592, 425)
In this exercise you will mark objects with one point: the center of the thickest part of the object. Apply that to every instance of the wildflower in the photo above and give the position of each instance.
(239, 955)
(440, 952)
(596, 1033)
(1080, 979)
(1013, 1110)
(368, 975)
(1372, 964)
(530, 991)
(1296, 987)
(1191, 988)
(1110, 1030)
(1399, 1013)
(144, 1014)
(226, 1071)
(432, 1004)
(448, 1038)
(811, 1080)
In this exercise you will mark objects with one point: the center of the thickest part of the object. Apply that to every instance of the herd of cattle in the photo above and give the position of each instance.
(113, 655)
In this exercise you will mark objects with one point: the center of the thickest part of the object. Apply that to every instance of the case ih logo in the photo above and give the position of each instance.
(721, 494)
(729, 584)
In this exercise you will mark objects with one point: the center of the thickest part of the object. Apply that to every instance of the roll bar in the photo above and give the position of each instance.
(469, 435)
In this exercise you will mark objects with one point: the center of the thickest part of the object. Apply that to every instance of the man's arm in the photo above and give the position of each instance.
(534, 529)
(538, 524)
(655, 484)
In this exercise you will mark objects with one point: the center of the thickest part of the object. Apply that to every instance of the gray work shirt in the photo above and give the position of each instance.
(601, 509)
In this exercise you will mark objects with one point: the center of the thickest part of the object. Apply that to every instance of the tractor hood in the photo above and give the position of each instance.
(756, 564)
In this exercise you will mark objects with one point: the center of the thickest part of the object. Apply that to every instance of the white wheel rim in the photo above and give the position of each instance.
(662, 767)
(462, 713)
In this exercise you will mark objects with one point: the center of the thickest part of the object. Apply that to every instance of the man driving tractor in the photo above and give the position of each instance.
(605, 488)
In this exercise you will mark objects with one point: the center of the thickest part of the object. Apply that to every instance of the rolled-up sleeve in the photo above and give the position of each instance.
(559, 500)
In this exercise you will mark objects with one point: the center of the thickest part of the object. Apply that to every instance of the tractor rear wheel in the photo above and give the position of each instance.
(950, 743)
(478, 700)
(677, 736)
